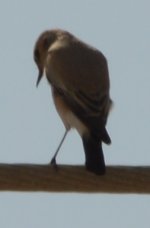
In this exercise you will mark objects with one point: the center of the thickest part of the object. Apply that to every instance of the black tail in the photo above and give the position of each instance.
(93, 155)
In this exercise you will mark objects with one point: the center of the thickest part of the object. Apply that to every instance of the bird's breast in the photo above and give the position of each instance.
(69, 119)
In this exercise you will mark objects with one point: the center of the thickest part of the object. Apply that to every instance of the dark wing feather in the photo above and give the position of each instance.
(89, 113)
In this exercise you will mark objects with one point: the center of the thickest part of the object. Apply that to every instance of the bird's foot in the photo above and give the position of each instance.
(53, 163)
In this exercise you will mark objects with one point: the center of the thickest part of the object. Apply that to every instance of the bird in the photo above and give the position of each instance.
(78, 76)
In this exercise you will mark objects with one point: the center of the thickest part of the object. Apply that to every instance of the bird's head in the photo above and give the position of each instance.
(45, 40)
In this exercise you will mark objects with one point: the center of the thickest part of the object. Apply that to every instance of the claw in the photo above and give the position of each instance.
(54, 164)
(53, 161)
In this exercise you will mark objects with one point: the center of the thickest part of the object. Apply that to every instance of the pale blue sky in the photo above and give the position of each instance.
(31, 130)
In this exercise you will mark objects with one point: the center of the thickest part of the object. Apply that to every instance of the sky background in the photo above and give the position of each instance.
(30, 129)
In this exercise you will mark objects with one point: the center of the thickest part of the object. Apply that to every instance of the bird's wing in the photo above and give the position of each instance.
(88, 111)
(80, 75)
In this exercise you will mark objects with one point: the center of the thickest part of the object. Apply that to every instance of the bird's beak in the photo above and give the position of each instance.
(39, 77)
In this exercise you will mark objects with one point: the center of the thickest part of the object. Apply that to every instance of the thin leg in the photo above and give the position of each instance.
(53, 161)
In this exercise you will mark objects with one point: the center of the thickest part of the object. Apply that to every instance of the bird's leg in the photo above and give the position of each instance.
(53, 160)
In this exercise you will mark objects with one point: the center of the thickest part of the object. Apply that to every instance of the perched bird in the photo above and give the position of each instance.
(79, 79)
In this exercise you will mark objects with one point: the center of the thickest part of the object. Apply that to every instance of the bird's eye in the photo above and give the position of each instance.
(36, 55)
(46, 43)
(48, 40)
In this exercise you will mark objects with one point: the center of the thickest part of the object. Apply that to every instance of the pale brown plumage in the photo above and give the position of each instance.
(78, 75)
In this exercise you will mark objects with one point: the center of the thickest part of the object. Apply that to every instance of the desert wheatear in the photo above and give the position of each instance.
(79, 79)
